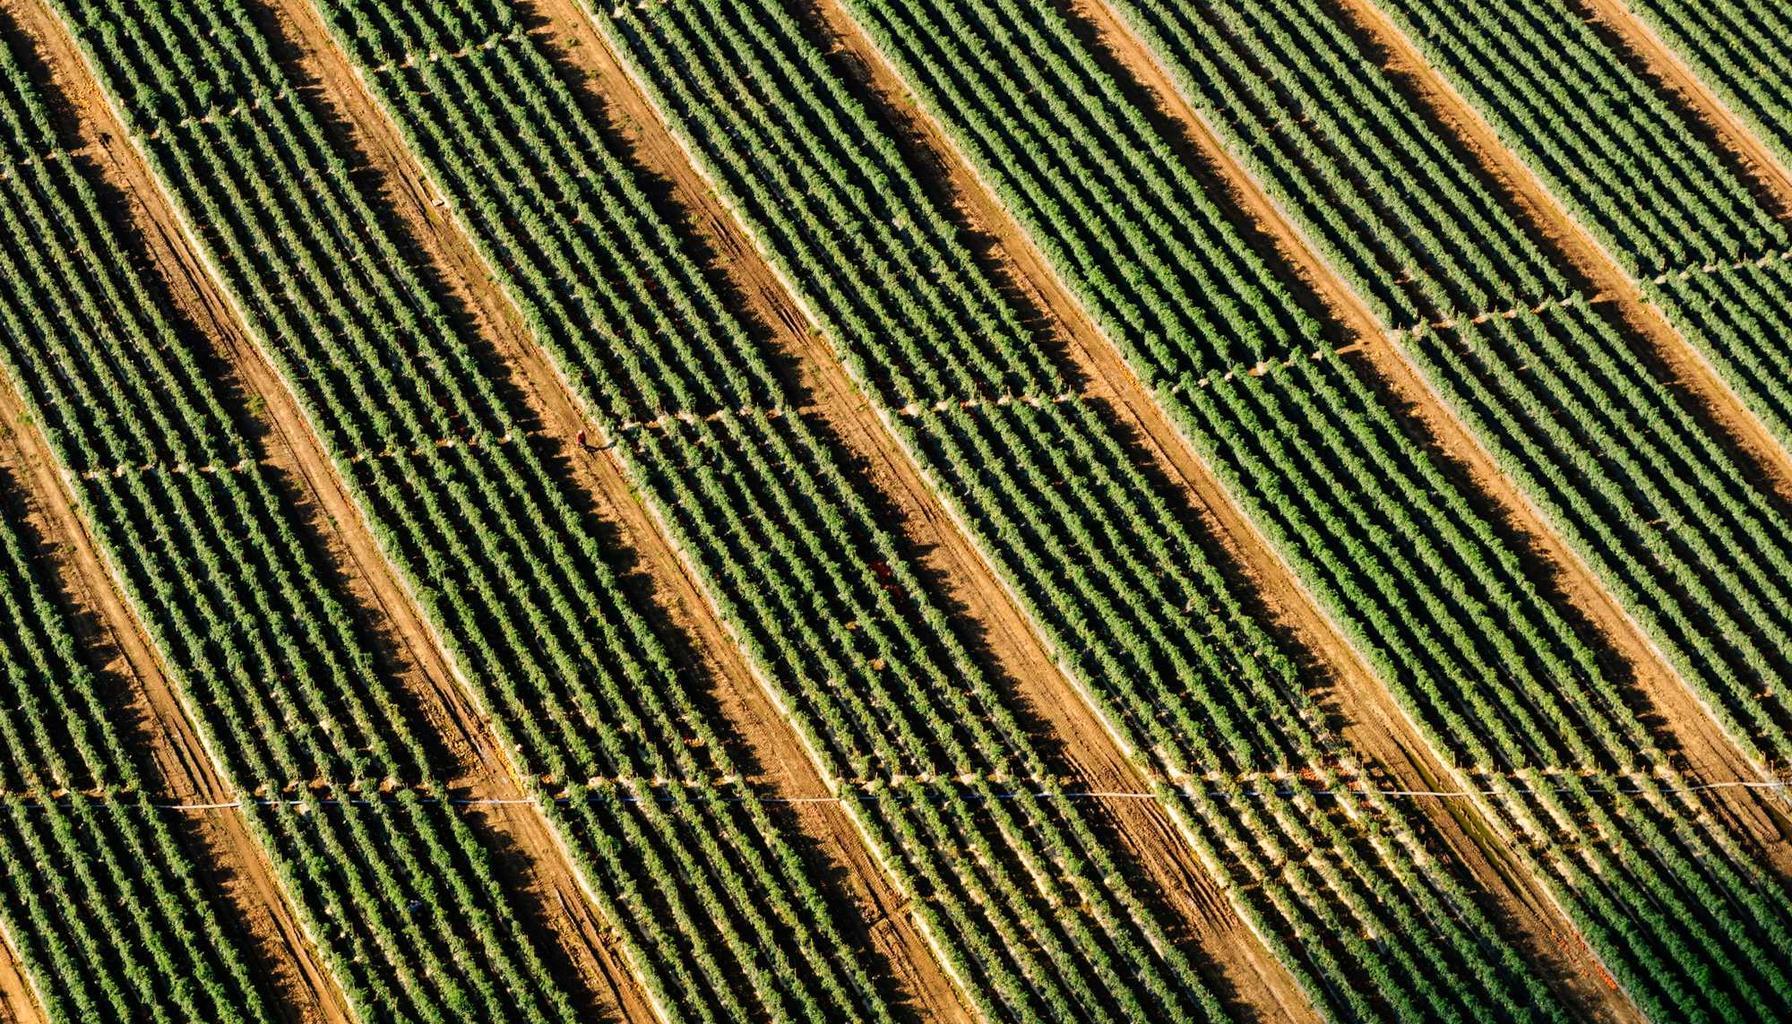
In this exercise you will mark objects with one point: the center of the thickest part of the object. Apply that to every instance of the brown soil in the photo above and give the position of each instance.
(182, 768)
(1146, 832)
(788, 771)
(236, 865)
(1721, 408)
(18, 1002)
(1709, 754)
(334, 521)
(537, 865)
(1668, 68)
(1377, 729)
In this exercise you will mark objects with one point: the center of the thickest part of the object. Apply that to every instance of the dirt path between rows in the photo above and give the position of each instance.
(287, 440)
(1377, 729)
(1761, 453)
(535, 865)
(1142, 828)
(785, 768)
(1667, 66)
(226, 853)
(18, 1000)
(1710, 754)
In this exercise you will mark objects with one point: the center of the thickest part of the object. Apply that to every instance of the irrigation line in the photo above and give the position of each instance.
(1254, 793)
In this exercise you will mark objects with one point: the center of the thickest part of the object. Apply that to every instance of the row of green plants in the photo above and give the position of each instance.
(1226, 53)
(1432, 592)
(112, 918)
(790, 535)
(1637, 167)
(285, 682)
(1739, 52)
(1386, 199)
(1628, 163)
(520, 581)
(1129, 589)
(102, 901)
(1735, 315)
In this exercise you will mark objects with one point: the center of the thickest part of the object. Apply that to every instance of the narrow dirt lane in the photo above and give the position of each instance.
(1666, 64)
(18, 1001)
(786, 769)
(1377, 728)
(1710, 754)
(535, 864)
(180, 764)
(1142, 827)
(1723, 410)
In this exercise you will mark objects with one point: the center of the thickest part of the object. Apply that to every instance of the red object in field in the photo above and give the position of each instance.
(582, 439)
(882, 570)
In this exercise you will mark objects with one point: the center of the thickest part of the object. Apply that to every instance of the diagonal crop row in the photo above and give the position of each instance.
(1129, 593)
(1318, 454)
(101, 898)
(1637, 171)
(714, 899)
(1570, 411)
(399, 895)
(1028, 903)
(1739, 50)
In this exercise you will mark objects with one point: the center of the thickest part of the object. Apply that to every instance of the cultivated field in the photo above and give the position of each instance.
(895, 510)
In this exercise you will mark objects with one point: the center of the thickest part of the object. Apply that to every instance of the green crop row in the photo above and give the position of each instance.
(1637, 168)
(286, 685)
(1126, 586)
(1740, 52)
(518, 579)
(1587, 432)
(102, 899)
(787, 532)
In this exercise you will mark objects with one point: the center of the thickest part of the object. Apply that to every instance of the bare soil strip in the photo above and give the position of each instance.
(221, 844)
(1142, 827)
(533, 859)
(775, 750)
(1376, 727)
(18, 998)
(1710, 754)
(1671, 70)
(1760, 451)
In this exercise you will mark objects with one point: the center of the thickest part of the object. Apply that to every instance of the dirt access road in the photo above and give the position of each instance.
(1710, 755)
(1671, 70)
(534, 865)
(1718, 405)
(18, 1002)
(1139, 823)
(786, 770)
(179, 765)
(1378, 730)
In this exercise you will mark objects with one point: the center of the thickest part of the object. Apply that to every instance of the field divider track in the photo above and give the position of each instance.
(1710, 753)
(1706, 746)
(840, 405)
(1096, 748)
(544, 862)
(1379, 728)
(750, 702)
(1666, 64)
(20, 1001)
(1100, 362)
(181, 754)
(1761, 452)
